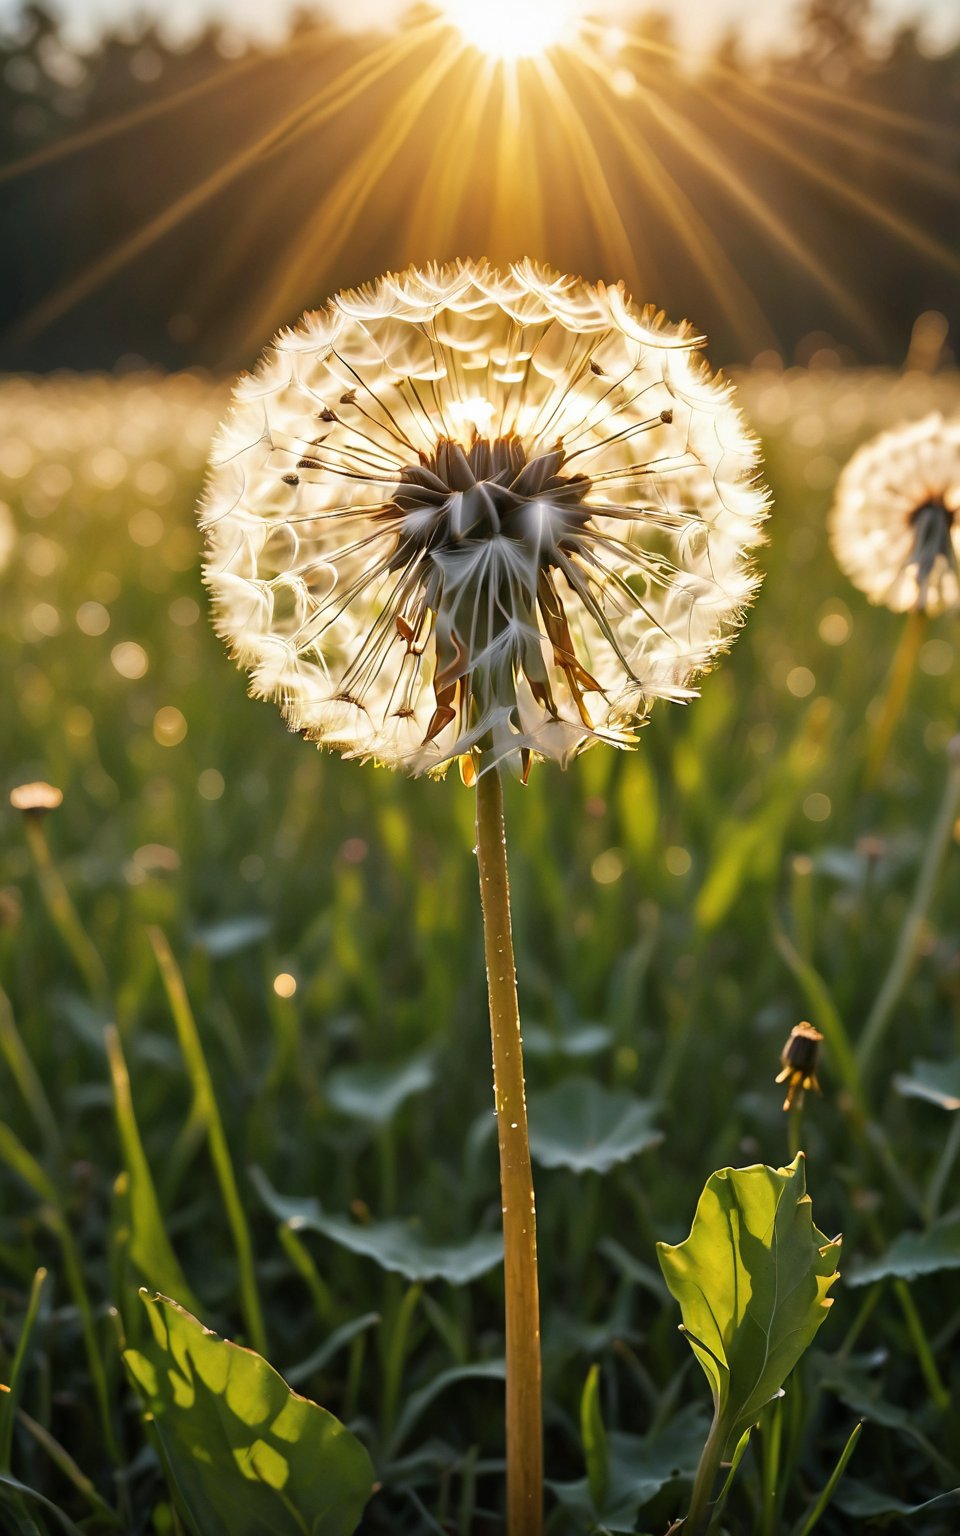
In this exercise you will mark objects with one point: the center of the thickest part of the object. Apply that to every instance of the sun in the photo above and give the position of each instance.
(513, 29)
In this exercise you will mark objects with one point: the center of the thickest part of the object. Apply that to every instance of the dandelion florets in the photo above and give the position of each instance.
(464, 512)
(894, 524)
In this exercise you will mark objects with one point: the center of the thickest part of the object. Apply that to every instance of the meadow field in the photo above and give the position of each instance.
(244, 1038)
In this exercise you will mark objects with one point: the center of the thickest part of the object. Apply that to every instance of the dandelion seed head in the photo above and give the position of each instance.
(36, 799)
(894, 525)
(463, 512)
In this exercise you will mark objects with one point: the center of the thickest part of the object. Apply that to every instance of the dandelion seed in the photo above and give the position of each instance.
(894, 527)
(468, 516)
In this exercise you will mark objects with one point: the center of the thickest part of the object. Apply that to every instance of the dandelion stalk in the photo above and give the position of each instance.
(941, 834)
(524, 1412)
(898, 688)
(463, 515)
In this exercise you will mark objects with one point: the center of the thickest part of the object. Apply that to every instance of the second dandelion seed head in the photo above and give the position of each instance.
(895, 524)
(470, 514)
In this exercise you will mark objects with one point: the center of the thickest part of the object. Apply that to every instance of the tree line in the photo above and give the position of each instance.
(171, 205)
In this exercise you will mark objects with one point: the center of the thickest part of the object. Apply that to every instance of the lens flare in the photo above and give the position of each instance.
(511, 29)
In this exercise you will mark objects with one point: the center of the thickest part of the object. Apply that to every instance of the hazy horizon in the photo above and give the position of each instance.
(698, 23)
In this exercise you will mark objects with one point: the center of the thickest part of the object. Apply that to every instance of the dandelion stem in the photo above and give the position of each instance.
(710, 1462)
(928, 1365)
(524, 1412)
(898, 687)
(938, 1183)
(941, 834)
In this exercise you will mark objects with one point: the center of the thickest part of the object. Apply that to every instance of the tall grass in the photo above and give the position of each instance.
(678, 910)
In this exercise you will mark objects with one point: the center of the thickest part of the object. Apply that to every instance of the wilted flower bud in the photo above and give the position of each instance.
(799, 1059)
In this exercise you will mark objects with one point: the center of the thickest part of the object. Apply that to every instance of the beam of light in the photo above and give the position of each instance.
(444, 187)
(841, 186)
(914, 165)
(871, 110)
(99, 133)
(514, 82)
(731, 292)
(607, 215)
(324, 237)
(700, 149)
(513, 29)
(343, 90)
(503, 214)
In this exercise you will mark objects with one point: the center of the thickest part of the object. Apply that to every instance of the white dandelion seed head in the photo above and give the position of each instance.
(465, 511)
(895, 523)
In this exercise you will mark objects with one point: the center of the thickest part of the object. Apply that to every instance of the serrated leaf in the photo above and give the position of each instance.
(938, 1082)
(914, 1253)
(752, 1282)
(588, 1128)
(246, 1455)
(395, 1245)
(373, 1094)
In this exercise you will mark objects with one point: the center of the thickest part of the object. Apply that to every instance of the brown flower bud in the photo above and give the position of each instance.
(799, 1059)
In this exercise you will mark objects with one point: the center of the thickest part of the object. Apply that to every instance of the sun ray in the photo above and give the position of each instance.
(627, 157)
(777, 81)
(508, 31)
(345, 202)
(619, 249)
(915, 165)
(125, 122)
(926, 245)
(874, 111)
(732, 294)
(80, 287)
(502, 226)
(444, 186)
(700, 149)
(348, 86)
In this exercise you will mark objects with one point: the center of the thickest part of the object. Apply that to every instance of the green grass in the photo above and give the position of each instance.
(689, 902)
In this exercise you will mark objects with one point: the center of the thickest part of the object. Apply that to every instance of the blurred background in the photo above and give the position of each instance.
(177, 181)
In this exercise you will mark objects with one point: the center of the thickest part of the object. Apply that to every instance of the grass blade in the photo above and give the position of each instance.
(207, 1109)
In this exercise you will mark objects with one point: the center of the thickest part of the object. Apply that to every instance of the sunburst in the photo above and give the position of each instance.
(509, 30)
(504, 127)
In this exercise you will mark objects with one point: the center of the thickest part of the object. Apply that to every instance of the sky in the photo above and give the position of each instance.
(698, 21)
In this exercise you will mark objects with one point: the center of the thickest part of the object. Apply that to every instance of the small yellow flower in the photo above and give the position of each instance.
(465, 514)
(893, 526)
